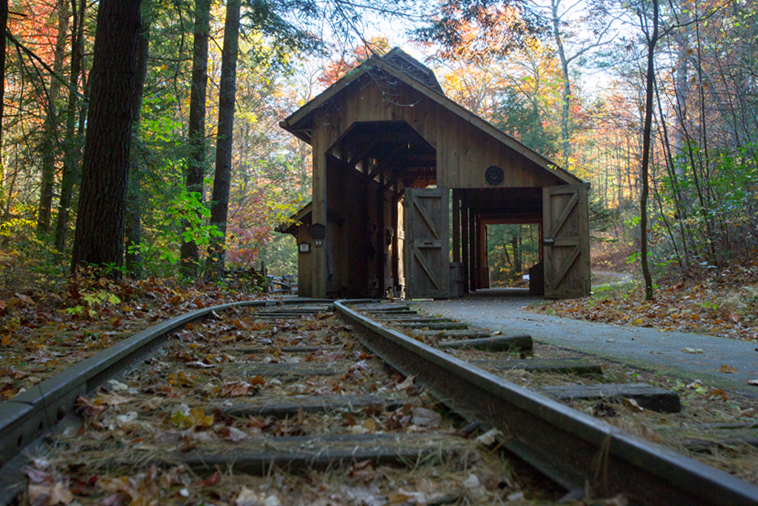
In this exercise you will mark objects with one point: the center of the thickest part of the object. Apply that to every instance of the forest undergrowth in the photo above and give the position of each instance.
(713, 300)
(46, 326)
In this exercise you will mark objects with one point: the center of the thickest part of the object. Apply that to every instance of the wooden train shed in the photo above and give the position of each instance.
(405, 178)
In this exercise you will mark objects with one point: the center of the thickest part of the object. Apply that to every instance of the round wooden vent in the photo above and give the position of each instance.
(493, 175)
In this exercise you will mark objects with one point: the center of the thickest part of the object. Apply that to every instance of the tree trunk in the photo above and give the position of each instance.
(222, 176)
(71, 152)
(516, 254)
(133, 227)
(646, 134)
(566, 96)
(50, 141)
(190, 256)
(3, 25)
(682, 84)
(99, 237)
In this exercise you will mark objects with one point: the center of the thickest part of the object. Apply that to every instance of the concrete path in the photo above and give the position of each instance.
(501, 309)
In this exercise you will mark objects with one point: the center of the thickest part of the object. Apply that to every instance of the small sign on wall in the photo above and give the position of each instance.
(304, 247)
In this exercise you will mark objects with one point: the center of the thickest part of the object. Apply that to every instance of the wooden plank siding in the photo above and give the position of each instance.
(463, 151)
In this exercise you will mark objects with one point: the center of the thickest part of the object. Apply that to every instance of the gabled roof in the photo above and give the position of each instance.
(413, 73)
(411, 66)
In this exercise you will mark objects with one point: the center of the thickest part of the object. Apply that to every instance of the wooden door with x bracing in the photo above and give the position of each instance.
(566, 243)
(427, 265)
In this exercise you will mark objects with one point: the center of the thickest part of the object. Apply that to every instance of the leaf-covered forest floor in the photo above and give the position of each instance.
(719, 301)
(43, 331)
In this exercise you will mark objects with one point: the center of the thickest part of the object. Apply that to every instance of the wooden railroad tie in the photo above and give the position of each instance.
(646, 396)
(539, 365)
(434, 326)
(257, 456)
(249, 369)
(496, 343)
(261, 407)
(460, 334)
(410, 319)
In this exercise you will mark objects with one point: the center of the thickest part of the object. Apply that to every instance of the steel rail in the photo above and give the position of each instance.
(576, 450)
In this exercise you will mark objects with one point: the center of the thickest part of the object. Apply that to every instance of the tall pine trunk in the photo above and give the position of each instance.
(133, 227)
(3, 24)
(190, 256)
(50, 142)
(566, 92)
(99, 237)
(652, 40)
(71, 145)
(222, 176)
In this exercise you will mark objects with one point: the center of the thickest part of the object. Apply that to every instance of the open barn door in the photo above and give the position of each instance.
(427, 231)
(566, 241)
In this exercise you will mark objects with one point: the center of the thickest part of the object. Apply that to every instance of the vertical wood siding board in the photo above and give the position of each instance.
(408, 249)
(585, 243)
(416, 118)
(445, 247)
(548, 250)
(457, 139)
(356, 111)
(509, 165)
(319, 216)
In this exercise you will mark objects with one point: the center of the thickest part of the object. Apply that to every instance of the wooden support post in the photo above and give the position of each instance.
(465, 246)
(456, 227)
(474, 277)
(542, 240)
(319, 217)
(395, 247)
(381, 244)
(366, 230)
(484, 280)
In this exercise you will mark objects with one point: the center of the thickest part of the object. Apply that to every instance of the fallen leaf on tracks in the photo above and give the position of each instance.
(695, 351)
(407, 382)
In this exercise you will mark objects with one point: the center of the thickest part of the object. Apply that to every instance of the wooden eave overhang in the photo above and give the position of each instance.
(300, 123)
(303, 219)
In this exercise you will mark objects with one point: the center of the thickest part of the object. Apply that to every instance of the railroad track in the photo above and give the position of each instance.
(271, 403)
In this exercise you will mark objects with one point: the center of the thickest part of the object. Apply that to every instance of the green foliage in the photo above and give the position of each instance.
(601, 217)
(511, 250)
(280, 255)
(520, 117)
(713, 196)
(28, 261)
(451, 26)
(94, 301)
(178, 215)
